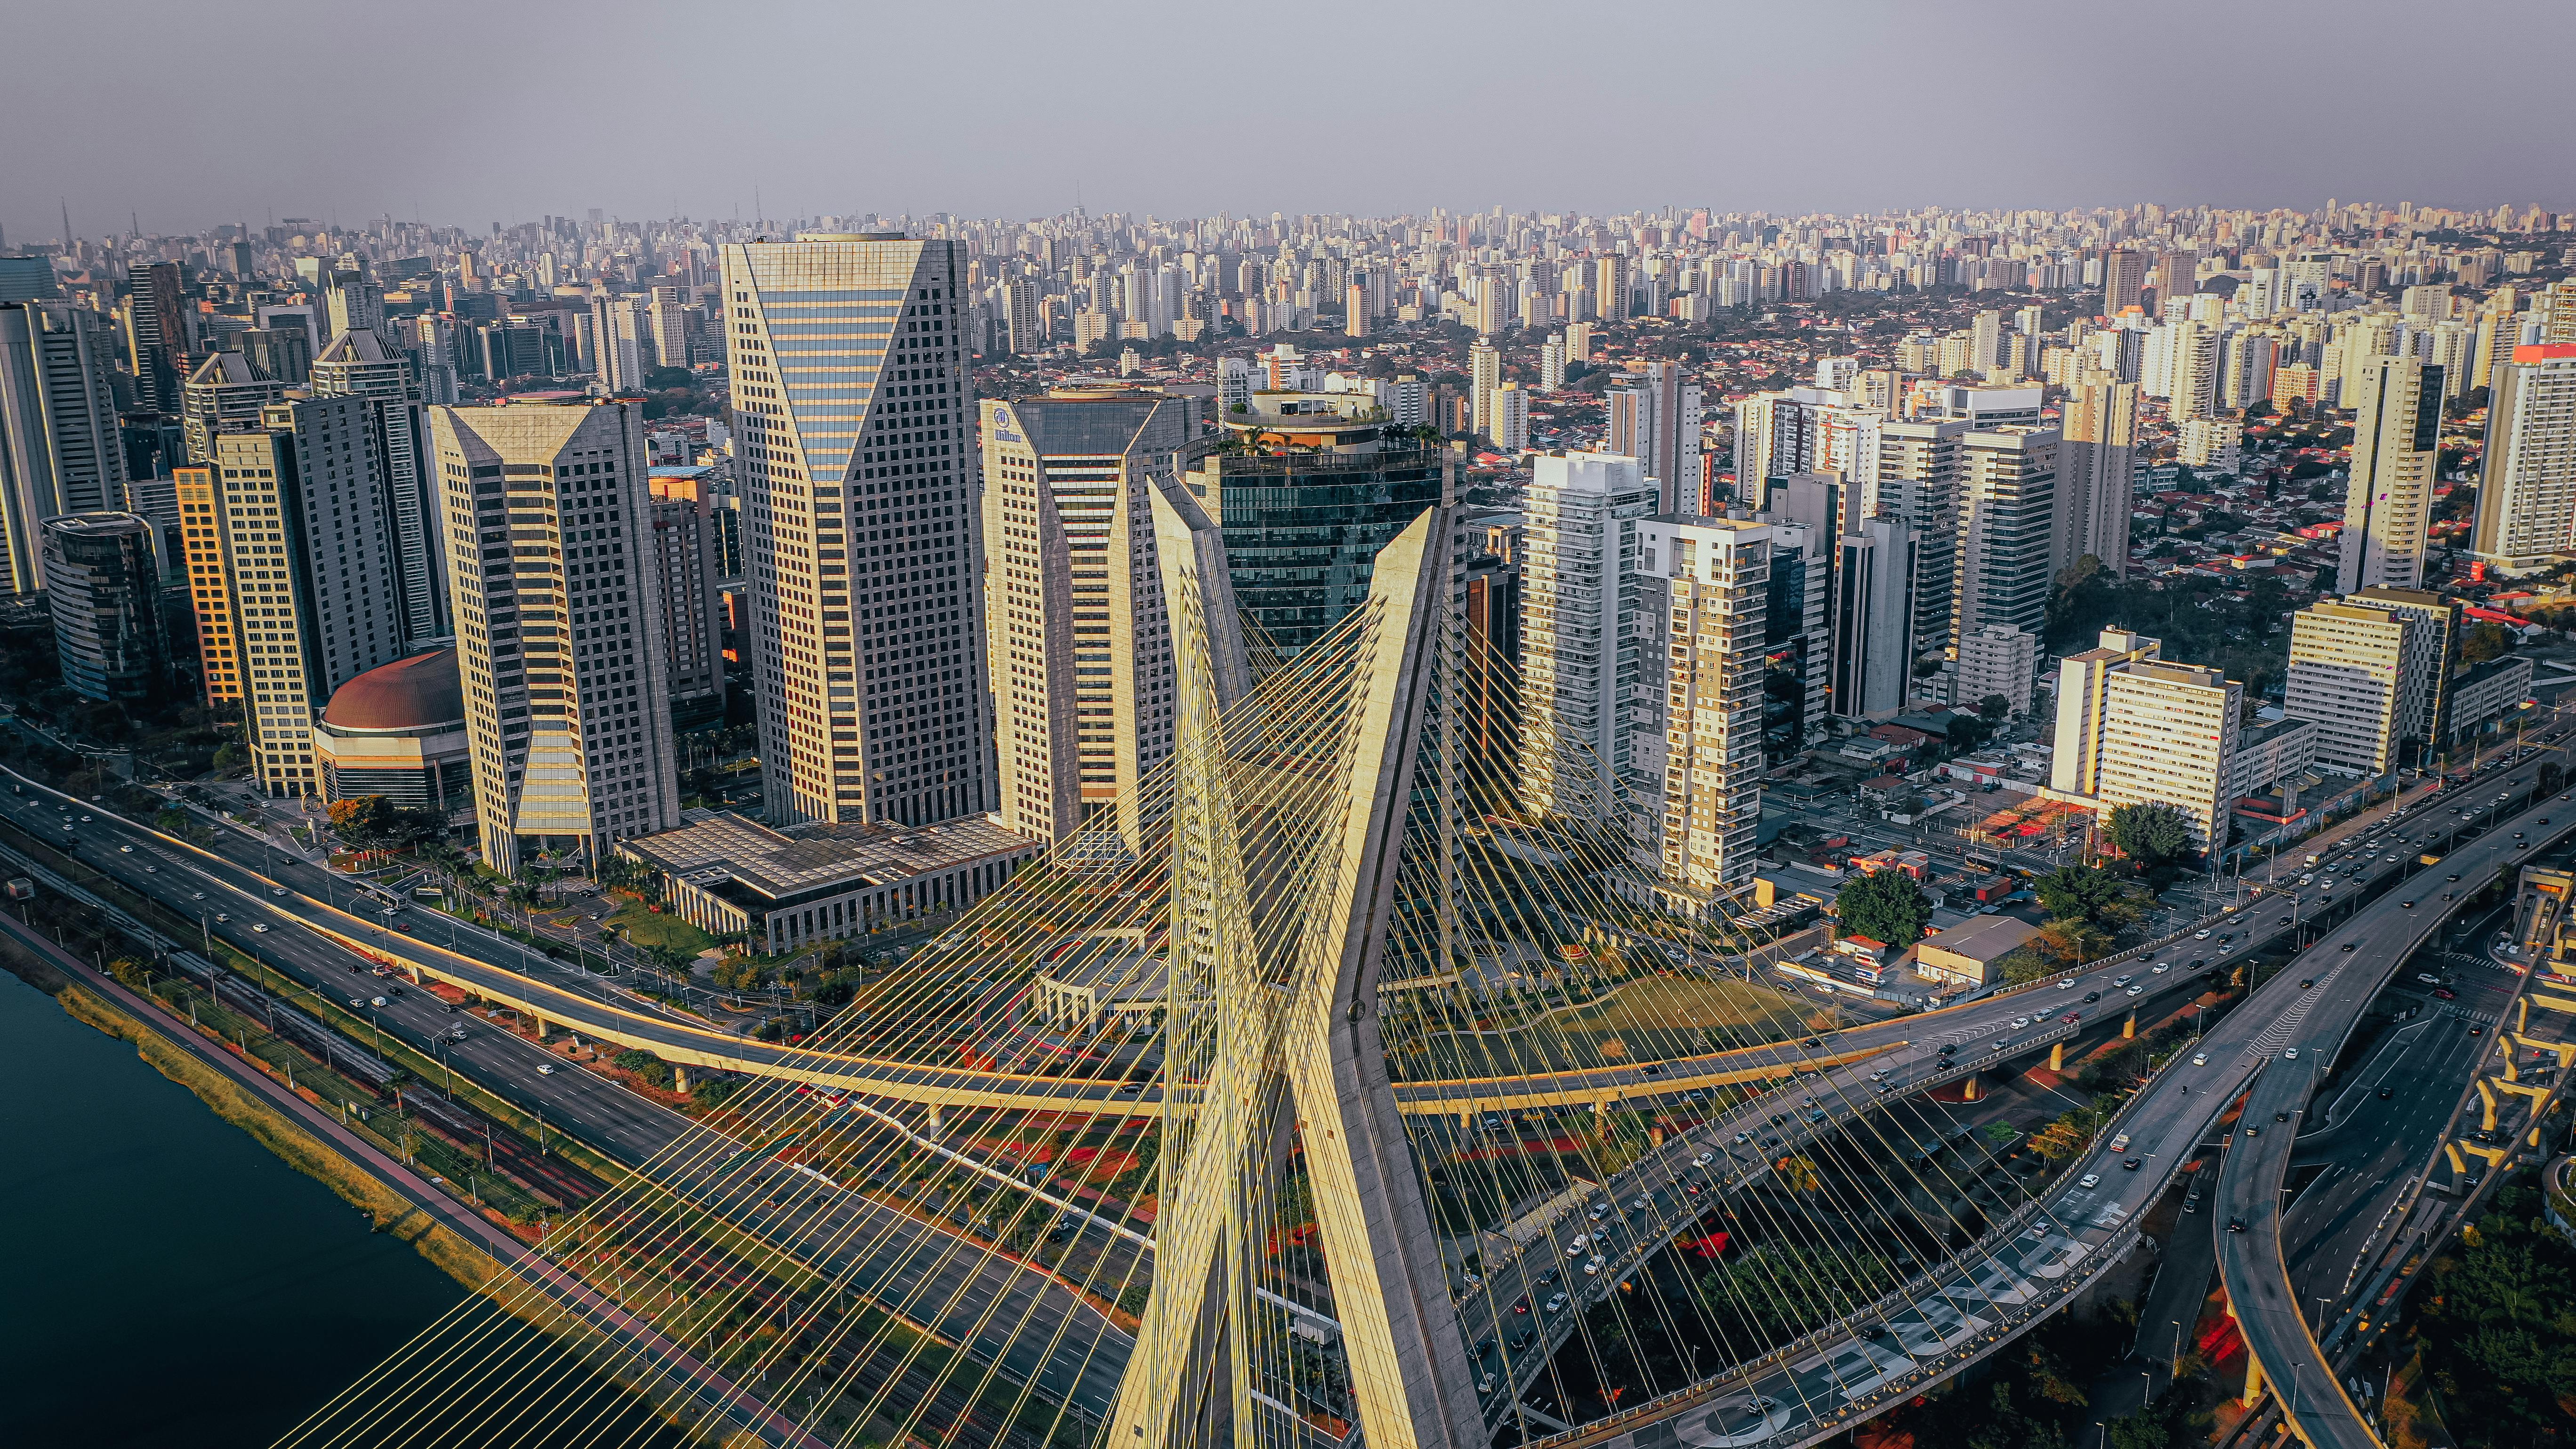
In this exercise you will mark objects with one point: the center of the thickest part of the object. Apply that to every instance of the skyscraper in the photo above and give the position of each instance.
(359, 364)
(2099, 453)
(559, 636)
(1703, 596)
(2396, 437)
(2527, 482)
(1873, 619)
(1023, 317)
(1581, 684)
(2369, 670)
(691, 607)
(1081, 649)
(1656, 421)
(305, 530)
(850, 386)
(59, 447)
(156, 332)
(103, 581)
(2124, 278)
(2007, 523)
(219, 643)
(224, 394)
(1484, 374)
(619, 333)
(668, 319)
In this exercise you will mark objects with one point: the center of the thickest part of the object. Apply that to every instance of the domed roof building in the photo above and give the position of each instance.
(398, 730)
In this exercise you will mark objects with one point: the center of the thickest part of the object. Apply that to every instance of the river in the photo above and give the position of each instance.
(169, 1281)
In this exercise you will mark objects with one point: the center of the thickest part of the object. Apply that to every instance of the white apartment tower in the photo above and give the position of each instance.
(848, 359)
(2098, 453)
(2368, 670)
(1582, 680)
(59, 447)
(1081, 648)
(2396, 437)
(1996, 660)
(2008, 526)
(2135, 729)
(559, 634)
(1706, 584)
(305, 524)
(2527, 488)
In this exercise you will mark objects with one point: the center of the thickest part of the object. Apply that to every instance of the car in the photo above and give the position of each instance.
(2161, 969)
(2349, 945)
(2387, 1092)
(2477, 1031)
(2307, 880)
(1525, 1337)
(1483, 1347)
(2019, 1022)
(1594, 1267)
(377, 1001)
(1128, 1089)
(1555, 1304)
(2090, 1179)
(545, 1069)
(1575, 1248)
(2200, 935)
(2253, 1131)
(2120, 980)
(196, 895)
(2191, 1204)
(1656, 1069)
(2200, 1059)
(2446, 993)
(2306, 981)
(1704, 1159)
(1545, 1278)
(2066, 985)
(2428, 978)
(125, 850)
(2072, 1019)
(2289, 1054)
(1639, 1204)
(2406, 905)
(1742, 1137)
(2092, 995)
(2131, 1164)
(260, 926)
(2135, 991)
(2236, 1225)
(84, 820)
(221, 917)
(277, 890)
(1949, 1048)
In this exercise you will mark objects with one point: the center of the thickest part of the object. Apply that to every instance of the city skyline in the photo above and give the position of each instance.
(1716, 128)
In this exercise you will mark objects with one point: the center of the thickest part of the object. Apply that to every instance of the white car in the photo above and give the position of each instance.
(1704, 1159)
(2161, 969)
(1556, 1304)
(2289, 1054)
(125, 850)
(2200, 1059)
(545, 1069)
(260, 926)
(2200, 935)
(2135, 991)
(2019, 1022)
(2090, 1179)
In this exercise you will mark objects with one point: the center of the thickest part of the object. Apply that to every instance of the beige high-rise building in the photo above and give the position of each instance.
(1581, 685)
(307, 538)
(2396, 439)
(2193, 392)
(2527, 483)
(1703, 596)
(2100, 420)
(2124, 278)
(2008, 528)
(560, 639)
(1484, 374)
(2075, 761)
(1997, 661)
(1081, 649)
(850, 385)
(2369, 670)
(2168, 737)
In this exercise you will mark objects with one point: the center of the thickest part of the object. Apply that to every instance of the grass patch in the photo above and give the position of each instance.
(646, 929)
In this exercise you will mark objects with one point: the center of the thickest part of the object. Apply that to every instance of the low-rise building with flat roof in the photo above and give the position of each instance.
(821, 882)
(1965, 955)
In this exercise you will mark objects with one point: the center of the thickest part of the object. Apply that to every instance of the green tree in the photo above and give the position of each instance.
(1993, 707)
(2091, 895)
(1887, 906)
(2150, 834)
(2484, 642)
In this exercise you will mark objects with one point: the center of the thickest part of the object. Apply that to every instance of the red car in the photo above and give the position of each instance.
(2445, 992)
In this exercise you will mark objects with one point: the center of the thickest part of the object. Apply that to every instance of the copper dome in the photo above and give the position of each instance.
(408, 694)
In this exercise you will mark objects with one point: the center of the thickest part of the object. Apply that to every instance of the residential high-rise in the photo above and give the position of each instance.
(1484, 374)
(1489, 709)
(691, 608)
(2008, 501)
(224, 394)
(1306, 500)
(1508, 423)
(2192, 391)
(1996, 660)
(1551, 364)
(156, 332)
(103, 586)
(1703, 600)
(1024, 317)
(306, 541)
(60, 451)
(1582, 680)
(621, 336)
(848, 362)
(559, 634)
(360, 364)
(2124, 279)
(1911, 471)
(2369, 670)
(2527, 482)
(1081, 649)
(2075, 761)
(2168, 737)
(1656, 421)
(2396, 438)
(667, 320)
(2099, 451)
(209, 567)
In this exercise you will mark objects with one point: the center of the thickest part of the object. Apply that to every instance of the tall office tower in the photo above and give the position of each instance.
(103, 586)
(667, 319)
(2008, 500)
(432, 342)
(1610, 287)
(361, 364)
(2527, 482)
(1508, 424)
(1873, 627)
(2369, 671)
(209, 569)
(2124, 278)
(60, 451)
(1484, 374)
(691, 607)
(850, 386)
(2075, 763)
(2396, 438)
(2192, 391)
(559, 635)
(1489, 705)
(1306, 502)
(305, 529)
(28, 279)
(1582, 682)
(1082, 658)
(1985, 342)
(1024, 317)
(284, 353)
(225, 394)
(622, 339)
(354, 302)
(1551, 364)
(1996, 661)
(156, 332)
(1911, 472)
(1703, 598)
(2100, 421)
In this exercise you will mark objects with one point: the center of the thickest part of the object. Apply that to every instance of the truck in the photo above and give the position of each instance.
(2120, 1143)
(2314, 857)
(21, 889)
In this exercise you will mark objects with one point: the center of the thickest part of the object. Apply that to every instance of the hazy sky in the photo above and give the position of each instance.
(468, 112)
